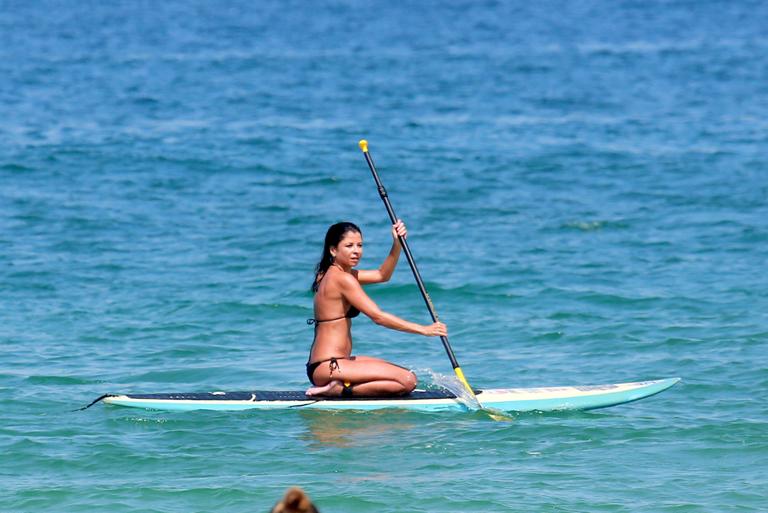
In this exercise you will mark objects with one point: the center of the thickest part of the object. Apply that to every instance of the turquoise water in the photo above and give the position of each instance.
(586, 195)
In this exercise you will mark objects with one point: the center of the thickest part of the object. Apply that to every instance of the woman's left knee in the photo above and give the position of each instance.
(411, 381)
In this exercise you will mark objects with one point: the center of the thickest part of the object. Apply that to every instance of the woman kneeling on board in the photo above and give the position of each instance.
(339, 297)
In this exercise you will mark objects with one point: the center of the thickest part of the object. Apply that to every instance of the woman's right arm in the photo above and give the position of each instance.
(354, 293)
(394, 322)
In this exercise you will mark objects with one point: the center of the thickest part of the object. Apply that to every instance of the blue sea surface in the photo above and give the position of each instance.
(586, 190)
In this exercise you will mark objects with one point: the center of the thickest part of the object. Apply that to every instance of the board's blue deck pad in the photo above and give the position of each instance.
(274, 395)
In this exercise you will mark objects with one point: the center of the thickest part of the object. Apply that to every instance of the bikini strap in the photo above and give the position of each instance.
(316, 321)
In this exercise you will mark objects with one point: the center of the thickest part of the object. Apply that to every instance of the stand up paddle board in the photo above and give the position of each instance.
(504, 399)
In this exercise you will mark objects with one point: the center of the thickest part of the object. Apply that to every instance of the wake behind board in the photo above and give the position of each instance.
(504, 399)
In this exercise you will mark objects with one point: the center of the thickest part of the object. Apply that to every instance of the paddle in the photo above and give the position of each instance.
(385, 198)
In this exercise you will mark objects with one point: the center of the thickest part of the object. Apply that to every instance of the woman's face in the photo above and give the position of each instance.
(349, 251)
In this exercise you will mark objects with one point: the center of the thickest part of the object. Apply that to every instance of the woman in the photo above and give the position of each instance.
(339, 297)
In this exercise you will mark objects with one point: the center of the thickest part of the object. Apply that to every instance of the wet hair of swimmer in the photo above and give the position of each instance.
(333, 237)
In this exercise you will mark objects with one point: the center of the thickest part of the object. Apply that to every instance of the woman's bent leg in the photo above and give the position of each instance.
(366, 376)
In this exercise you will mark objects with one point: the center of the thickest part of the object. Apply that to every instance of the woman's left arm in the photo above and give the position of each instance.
(385, 270)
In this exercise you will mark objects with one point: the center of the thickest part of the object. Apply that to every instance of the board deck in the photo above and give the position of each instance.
(504, 399)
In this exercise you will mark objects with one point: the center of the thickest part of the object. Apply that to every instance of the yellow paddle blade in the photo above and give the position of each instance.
(460, 375)
(363, 145)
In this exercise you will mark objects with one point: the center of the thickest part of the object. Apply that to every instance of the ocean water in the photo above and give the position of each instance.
(586, 190)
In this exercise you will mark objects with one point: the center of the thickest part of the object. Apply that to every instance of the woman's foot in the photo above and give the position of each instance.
(324, 389)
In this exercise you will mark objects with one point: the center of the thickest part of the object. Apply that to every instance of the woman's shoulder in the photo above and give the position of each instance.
(340, 278)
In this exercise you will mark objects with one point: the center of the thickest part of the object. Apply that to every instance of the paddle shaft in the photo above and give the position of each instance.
(385, 198)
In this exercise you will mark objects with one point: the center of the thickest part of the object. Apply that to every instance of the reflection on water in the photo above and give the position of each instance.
(353, 428)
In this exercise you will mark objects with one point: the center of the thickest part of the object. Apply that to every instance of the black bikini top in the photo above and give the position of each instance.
(352, 312)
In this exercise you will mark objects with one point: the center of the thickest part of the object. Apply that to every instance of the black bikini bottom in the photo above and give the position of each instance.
(311, 367)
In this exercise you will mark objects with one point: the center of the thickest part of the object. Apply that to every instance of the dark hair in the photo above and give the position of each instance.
(332, 238)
